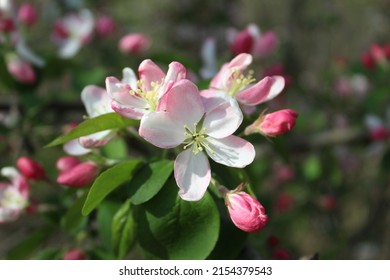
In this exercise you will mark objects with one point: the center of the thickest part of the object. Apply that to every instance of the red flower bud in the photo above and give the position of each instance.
(27, 14)
(30, 168)
(281, 254)
(245, 211)
(66, 163)
(80, 175)
(7, 25)
(105, 26)
(243, 43)
(21, 70)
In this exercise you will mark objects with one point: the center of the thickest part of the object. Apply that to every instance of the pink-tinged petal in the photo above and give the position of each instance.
(74, 148)
(128, 111)
(70, 48)
(220, 79)
(192, 174)
(183, 103)
(121, 93)
(176, 72)
(150, 73)
(212, 98)
(129, 77)
(223, 120)
(266, 89)
(96, 140)
(161, 130)
(240, 62)
(231, 151)
(96, 101)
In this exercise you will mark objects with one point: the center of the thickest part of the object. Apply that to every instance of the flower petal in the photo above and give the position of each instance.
(192, 174)
(231, 151)
(69, 48)
(74, 148)
(212, 98)
(265, 90)
(161, 130)
(128, 111)
(240, 62)
(96, 140)
(149, 72)
(183, 103)
(223, 120)
(96, 101)
(128, 77)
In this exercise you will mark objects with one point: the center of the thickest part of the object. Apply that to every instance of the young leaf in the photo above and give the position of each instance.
(89, 126)
(123, 230)
(171, 228)
(149, 180)
(107, 182)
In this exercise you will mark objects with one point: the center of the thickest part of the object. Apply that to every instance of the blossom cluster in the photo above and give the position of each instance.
(199, 124)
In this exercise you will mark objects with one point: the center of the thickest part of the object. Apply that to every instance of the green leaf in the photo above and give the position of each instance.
(312, 168)
(73, 219)
(89, 126)
(149, 180)
(107, 181)
(105, 215)
(115, 149)
(123, 230)
(171, 228)
(26, 248)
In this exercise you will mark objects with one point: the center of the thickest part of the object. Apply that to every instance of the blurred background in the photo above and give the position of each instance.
(325, 184)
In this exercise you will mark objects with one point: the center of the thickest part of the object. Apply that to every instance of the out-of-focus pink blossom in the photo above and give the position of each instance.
(273, 124)
(134, 43)
(105, 26)
(273, 241)
(251, 40)
(27, 14)
(285, 173)
(74, 254)
(30, 168)
(280, 254)
(356, 85)
(14, 195)
(21, 70)
(328, 202)
(278, 70)
(378, 129)
(66, 163)
(246, 212)
(368, 61)
(80, 175)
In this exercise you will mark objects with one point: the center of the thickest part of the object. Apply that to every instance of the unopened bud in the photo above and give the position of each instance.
(27, 14)
(74, 254)
(21, 70)
(105, 26)
(273, 124)
(66, 163)
(245, 211)
(134, 43)
(266, 44)
(30, 169)
(80, 175)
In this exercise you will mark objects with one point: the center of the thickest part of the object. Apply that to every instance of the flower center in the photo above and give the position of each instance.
(239, 82)
(12, 199)
(196, 138)
(151, 95)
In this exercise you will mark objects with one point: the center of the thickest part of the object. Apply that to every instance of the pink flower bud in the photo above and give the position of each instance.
(285, 173)
(368, 61)
(266, 44)
(105, 26)
(273, 124)
(80, 175)
(377, 53)
(245, 211)
(134, 43)
(66, 163)
(27, 14)
(21, 70)
(74, 254)
(243, 42)
(31, 169)
(379, 133)
(280, 254)
(60, 31)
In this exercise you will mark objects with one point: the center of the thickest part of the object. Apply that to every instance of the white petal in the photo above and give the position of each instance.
(161, 130)
(96, 140)
(223, 120)
(192, 174)
(231, 151)
(96, 101)
(74, 148)
(69, 48)
(129, 77)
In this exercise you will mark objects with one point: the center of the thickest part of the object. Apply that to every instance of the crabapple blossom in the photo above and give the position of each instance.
(72, 32)
(74, 254)
(132, 98)
(27, 14)
(230, 82)
(203, 130)
(96, 102)
(13, 195)
(246, 212)
(105, 26)
(20, 69)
